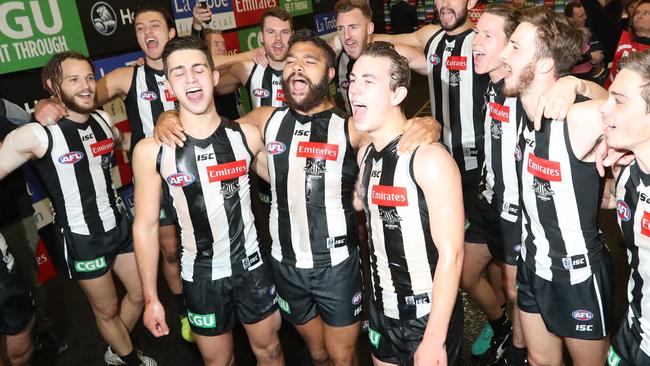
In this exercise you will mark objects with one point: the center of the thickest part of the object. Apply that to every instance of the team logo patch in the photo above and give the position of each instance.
(389, 196)
(544, 169)
(623, 210)
(232, 170)
(345, 84)
(356, 299)
(543, 190)
(390, 217)
(517, 248)
(104, 18)
(582, 315)
(149, 95)
(261, 93)
(71, 158)
(434, 60)
(102, 147)
(496, 130)
(275, 147)
(272, 290)
(180, 179)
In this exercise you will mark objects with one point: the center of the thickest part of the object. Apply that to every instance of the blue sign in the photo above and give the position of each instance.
(325, 23)
(105, 65)
(183, 8)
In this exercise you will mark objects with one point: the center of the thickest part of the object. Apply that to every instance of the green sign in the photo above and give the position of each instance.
(32, 31)
(91, 265)
(249, 38)
(297, 7)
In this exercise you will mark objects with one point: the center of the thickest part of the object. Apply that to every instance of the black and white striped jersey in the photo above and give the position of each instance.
(499, 181)
(76, 172)
(209, 185)
(403, 257)
(633, 208)
(456, 92)
(264, 85)
(146, 100)
(342, 78)
(313, 170)
(6, 259)
(560, 197)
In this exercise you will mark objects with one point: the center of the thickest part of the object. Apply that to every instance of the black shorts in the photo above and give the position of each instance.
(214, 306)
(580, 311)
(16, 306)
(626, 347)
(91, 256)
(335, 293)
(167, 211)
(395, 341)
(503, 237)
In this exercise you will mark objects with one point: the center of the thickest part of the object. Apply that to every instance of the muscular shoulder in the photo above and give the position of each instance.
(433, 161)
(146, 148)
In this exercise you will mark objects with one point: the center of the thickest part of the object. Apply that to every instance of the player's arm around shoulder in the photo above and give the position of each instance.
(417, 39)
(415, 56)
(585, 129)
(21, 145)
(256, 146)
(115, 84)
(257, 117)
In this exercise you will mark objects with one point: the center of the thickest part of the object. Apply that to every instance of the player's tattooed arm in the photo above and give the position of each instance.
(21, 145)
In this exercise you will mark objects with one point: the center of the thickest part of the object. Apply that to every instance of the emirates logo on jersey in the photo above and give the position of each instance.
(280, 96)
(170, 96)
(261, 93)
(499, 112)
(645, 223)
(71, 158)
(623, 210)
(227, 171)
(389, 196)
(102, 147)
(148, 95)
(456, 63)
(544, 169)
(180, 179)
(317, 150)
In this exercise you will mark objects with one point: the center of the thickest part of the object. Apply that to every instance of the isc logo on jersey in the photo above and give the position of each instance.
(275, 147)
(180, 179)
(148, 95)
(261, 93)
(71, 158)
(623, 210)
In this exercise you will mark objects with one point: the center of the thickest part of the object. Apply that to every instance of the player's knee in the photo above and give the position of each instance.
(170, 256)
(269, 352)
(342, 356)
(511, 292)
(467, 282)
(537, 358)
(21, 354)
(319, 356)
(107, 312)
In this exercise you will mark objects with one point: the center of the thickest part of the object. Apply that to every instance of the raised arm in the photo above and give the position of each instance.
(415, 56)
(115, 84)
(438, 177)
(148, 191)
(258, 117)
(417, 39)
(25, 143)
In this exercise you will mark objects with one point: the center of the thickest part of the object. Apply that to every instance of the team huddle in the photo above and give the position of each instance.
(257, 218)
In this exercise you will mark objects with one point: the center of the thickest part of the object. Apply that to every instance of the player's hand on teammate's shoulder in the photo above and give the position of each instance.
(49, 111)
(168, 129)
(419, 131)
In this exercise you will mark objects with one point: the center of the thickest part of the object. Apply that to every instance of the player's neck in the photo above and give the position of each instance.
(319, 108)
(77, 117)
(200, 126)
(155, 64)
(465, 26)
(392, 126)
(530, 98)
(277, 65)
(642, 156)
(497, 74)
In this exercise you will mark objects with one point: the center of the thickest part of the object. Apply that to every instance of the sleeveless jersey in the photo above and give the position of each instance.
(561, 199)
(455, 90)
(633, 208)
(403, 257)
(209, 185)
(76, 172)
(265, 87)
(313, 170)
(499, 182)
(342, 78)
(146, 100)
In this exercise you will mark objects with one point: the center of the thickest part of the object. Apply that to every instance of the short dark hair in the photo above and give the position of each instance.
(344, 6)
(400, 73)
(279, 13)
(156, 9)
(568, 9)
(639, 62)
(556, 38)
(509, 14)
(308, 35)
(52, 70)
(186, 43)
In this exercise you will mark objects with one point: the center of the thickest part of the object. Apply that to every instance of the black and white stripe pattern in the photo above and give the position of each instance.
(6, 259)
(503, 118)
(633, 208)
(76, 171)
(265, 87)
(561, 198)
(456, 91)
(342, 78)
(209, 184)
(313, 169)
(402, 252)
(146, 100)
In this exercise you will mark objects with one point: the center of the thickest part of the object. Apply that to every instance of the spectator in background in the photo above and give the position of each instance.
(403, 17)
(227, 104)
(590, 66)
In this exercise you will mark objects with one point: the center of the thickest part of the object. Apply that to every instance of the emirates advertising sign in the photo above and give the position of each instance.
(32, 31)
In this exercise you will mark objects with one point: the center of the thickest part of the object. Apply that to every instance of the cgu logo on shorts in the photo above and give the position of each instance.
(261, 93)
(180, 179)
(148, 95)
(389, 196)
(275, 147)
(374, 337)
(202, 320)
(71, 157)
(91, 265)
(284, 305)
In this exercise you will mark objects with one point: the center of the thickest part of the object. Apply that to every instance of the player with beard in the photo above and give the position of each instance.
(563, 255)
(225, 277)
(73, 159)
(145, 97)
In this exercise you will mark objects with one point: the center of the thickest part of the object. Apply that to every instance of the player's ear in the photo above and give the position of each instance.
(215, 77)
(371, 27)
(545, 65)
(471, 4)
(398, 96)
(54, 89)
(172, 33)
(330, 74)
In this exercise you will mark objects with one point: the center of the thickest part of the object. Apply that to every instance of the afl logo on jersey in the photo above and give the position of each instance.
(71, 158)
(180, 179)
(434, 60)
(275, 147)
(356, 299)
(582, 315)
(261, 93)
(148, 95)
(623, 210)
(518, 154)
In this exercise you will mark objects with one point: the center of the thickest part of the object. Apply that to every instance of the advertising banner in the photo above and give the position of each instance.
(249, 12)
(32, 31)
(325, 23)
(297, 7)
(223, 16)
